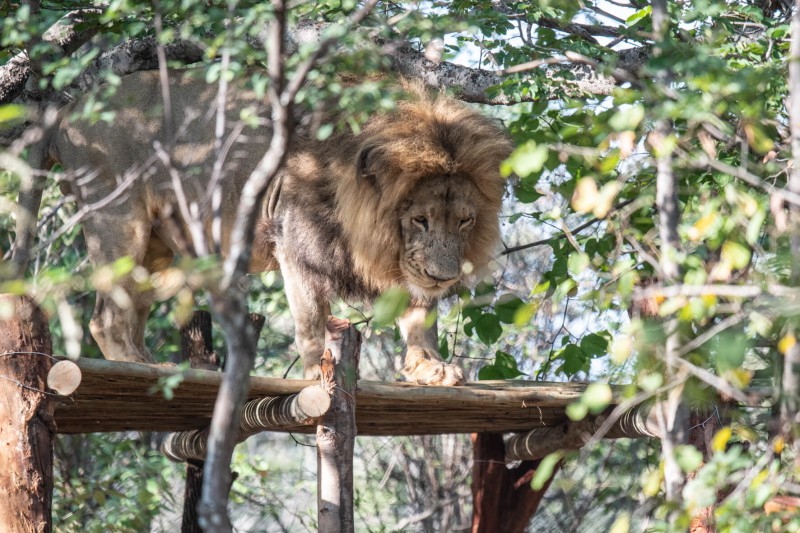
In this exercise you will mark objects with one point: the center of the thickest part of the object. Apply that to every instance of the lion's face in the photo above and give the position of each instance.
(435, 222)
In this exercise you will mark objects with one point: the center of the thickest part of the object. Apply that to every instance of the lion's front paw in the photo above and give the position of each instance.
(427, 370)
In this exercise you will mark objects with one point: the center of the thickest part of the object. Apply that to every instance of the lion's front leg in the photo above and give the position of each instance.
(424, 365)
(310, 309)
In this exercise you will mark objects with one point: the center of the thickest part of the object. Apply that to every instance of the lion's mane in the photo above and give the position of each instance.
(426, 136)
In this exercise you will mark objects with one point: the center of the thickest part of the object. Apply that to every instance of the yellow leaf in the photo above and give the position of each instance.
(605, 199)
(699, 229)
(721, 439)
(778, 444)
(621, 348)
(622, 524)
(786, 343)
(652, 482)
(585, 196)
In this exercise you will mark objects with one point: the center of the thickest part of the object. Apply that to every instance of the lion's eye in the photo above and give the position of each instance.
(466, 222)
(422, 222)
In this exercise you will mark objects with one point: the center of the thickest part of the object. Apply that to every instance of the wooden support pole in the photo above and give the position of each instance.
(336, 431)
(502, 498)
(279, 412)
(26, 418)
(197, 347)
(637, 423)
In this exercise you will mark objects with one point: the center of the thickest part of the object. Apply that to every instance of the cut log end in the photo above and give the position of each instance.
(313, 402)
(64, 377)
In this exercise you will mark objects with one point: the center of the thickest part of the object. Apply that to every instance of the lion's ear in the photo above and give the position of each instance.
(365, 166)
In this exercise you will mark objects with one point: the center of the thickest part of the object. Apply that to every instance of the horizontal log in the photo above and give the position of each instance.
(638, 422)
(117, 396)
(278, 412)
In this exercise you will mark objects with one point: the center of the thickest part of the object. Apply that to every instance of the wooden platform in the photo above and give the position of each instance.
(116, 396)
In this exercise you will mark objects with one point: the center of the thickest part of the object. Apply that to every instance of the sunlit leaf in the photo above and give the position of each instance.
(545, 470)
(390, 305)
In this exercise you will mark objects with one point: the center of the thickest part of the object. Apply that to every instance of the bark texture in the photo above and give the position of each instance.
(503, 499)
(336, 431)
(26, 418)
(197, 348)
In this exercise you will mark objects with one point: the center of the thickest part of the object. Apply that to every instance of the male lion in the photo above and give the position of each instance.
(406, 202)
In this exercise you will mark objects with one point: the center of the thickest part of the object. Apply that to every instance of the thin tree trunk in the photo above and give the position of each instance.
(673, 416)
(336, 431)
(502, 498)
(26, 418)
(790, 398)
(224, 429)
(197, 348)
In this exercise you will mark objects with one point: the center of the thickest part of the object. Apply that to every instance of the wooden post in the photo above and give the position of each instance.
(336, 431)
(197, 348)
(502, 498)
(26, 418)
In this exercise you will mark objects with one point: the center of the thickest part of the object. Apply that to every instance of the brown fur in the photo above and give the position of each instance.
(407, 202)
(425, 137)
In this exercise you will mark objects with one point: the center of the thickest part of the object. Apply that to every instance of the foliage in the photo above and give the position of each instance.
(583, 297)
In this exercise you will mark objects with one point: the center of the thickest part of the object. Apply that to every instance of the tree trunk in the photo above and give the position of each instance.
(197, 348)
(26, 418)
(336, 431)
(502, 498)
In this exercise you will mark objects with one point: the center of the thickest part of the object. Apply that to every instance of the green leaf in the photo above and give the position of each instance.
(577, 263)
(545, 470)
(524, 313)
(574, 359)
(506, 308)
(627, 118)
(390, 305)
(594, 345)
(444, 348)
(638, 15)
(11, 112)
(526, 194)
(488, 328)
(688, 458)
(597, 397)
(507, 365)
(735, 254)
(577, 411)
(490, 373)
(526, 160)
(324, 132)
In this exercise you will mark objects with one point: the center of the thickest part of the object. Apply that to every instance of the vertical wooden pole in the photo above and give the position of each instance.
(197, 348)
(336, 431)
(26, 418)
(502, 498)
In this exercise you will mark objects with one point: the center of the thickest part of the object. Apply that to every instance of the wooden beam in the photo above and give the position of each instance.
(336, 431)
(279, 412)
(639, 422)
(117, 396)
(26, 417)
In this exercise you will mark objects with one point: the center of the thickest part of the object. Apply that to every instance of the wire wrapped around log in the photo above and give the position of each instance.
(638, 422)
(257, 415)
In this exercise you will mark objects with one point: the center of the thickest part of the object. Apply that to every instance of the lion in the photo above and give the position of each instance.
(410, 201)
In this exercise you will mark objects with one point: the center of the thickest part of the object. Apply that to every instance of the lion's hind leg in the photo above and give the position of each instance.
(117, 322)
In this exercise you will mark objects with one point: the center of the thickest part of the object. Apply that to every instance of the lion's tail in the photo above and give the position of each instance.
(30, 194)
